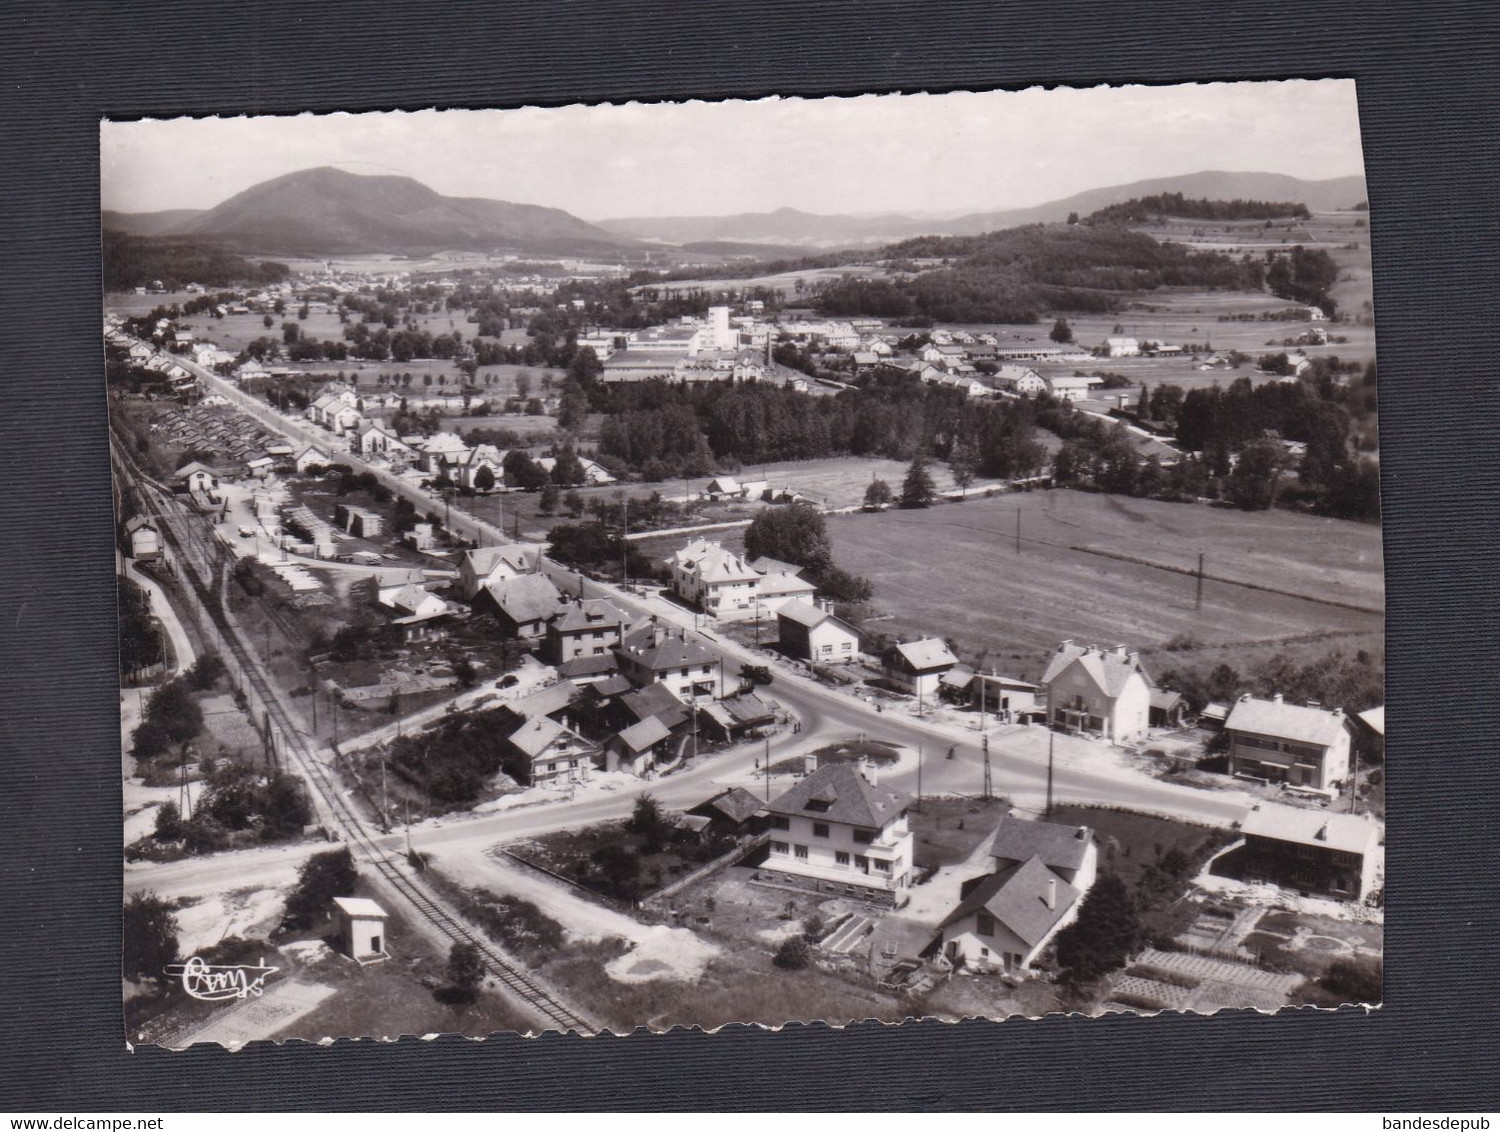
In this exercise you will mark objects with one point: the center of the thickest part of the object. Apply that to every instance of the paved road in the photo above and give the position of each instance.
(161, 608)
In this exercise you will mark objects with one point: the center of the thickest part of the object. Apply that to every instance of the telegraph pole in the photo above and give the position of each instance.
(989, 782)
(919, 776)
(1198, 601)
(1018, 530)
(385, 800)
(625, 540)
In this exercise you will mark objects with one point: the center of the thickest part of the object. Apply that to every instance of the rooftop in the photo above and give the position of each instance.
(1109, 668)
(839, 792)
(1058, 846)
(1297, 722)
(1017, 897)
(1346, 832)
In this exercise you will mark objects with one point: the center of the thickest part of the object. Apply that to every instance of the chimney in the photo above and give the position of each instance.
(809, 763)
(868, 771)
(1066, 644)
(1084, 833)
(1276, 699)
(1120, 650)
(1051, 897)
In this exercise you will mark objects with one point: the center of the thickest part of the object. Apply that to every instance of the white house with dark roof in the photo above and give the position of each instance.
(838, 830)
(523, 605)
(310, 457)
(1300, 745)
(1006, 919)
(556, 752)
(1098, 691)
(917, 667)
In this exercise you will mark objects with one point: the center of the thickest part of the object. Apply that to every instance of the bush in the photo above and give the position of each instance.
(466, 971)
(794, 954)
(813, 928)
(149, 940)
(322, 877)
(1355, 980)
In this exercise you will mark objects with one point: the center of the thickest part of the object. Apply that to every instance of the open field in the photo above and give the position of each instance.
(954, 571)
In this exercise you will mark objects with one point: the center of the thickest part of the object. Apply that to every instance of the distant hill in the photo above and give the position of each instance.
(789, 226)
(786, 227)
(148, 223)
(1319, 196)
(326, 210)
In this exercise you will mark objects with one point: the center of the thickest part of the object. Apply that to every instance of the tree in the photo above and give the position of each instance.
(1252, 484)
(573, 406)
(1061, 331)
(573, 501)
(568, 470)
(1072, 218)
(1106, 932)
(484, 479)
(795, 953)
(649, 823)
(795, 534)
(205, 672)
(466, 971)
(523, 471)
(321, 877)
(149, 940)
(548, 504)
(267, 321)
(168, 822)
(877, 495)
(918, 490)
(963, 463)
(523, 385)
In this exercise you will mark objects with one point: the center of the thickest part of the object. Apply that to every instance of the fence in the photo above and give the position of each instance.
(718, 864)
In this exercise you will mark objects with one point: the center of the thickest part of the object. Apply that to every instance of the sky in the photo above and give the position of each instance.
(950, 153)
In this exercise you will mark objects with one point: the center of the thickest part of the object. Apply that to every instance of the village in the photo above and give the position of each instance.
(697, 763)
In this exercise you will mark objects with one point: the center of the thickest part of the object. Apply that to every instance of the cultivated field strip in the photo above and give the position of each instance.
(196, 547)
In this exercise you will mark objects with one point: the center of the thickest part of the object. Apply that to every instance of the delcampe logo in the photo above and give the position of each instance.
(220, 984)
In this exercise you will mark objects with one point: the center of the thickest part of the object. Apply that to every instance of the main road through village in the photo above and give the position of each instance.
(1084, 771)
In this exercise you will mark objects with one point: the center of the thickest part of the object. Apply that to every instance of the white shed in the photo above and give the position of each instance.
(362, 928)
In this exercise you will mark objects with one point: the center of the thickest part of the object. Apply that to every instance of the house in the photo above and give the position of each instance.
(716, 580)
(1019, 379)
(523, 605)
(589, 670)
(1010, 700)
(739, 717)
(1289, 743)
(376, 440)
(584, 627)
(335, 398)
(1008, 918)
(815, 635)
(1104, 692)
(595, 474)
(723, 487)
(1313, 852)
(145, 539)
(441, 451)
(1168, 709)
(838, 831)
(1122, 347)
(1069, 387)
(310, 457)
(1370, 733)
(639, 748)
(780, 583)
(554, 751)
(419, 613)
(361, 928)
(481, 456)
(917, 666)
(195, 479)
(652, 654)
(731, 813)
(493, 564)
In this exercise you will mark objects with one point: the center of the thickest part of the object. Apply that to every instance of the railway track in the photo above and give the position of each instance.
(196, 548)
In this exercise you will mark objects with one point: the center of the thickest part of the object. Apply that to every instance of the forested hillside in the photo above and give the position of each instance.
(139, 261)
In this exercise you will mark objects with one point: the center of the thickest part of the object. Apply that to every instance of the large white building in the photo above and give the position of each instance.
(716, 580)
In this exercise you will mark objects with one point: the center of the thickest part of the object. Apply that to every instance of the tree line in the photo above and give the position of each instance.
(139, 261)
(1144, 208)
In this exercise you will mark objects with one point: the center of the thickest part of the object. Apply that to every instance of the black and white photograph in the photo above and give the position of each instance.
(619, 566)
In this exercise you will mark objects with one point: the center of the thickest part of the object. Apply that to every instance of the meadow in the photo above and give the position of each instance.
(1105, 569)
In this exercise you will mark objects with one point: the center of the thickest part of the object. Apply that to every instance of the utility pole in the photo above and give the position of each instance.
(989, 782)
(1198, 602)
(768, 768)
(625, 540)
(385, 801)
(1018, 530)
(919, 776)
